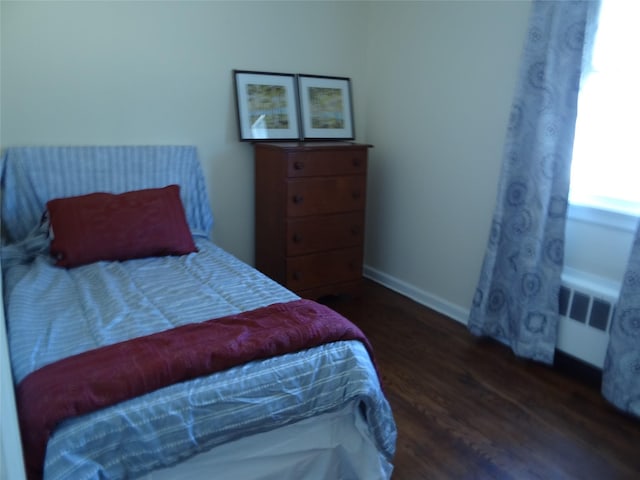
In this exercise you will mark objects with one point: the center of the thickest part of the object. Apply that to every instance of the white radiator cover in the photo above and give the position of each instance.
(587, 340)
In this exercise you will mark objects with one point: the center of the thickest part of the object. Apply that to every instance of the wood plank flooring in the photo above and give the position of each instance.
(467, 408)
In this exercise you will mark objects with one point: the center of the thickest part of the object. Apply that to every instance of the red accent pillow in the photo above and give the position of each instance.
(107, 226)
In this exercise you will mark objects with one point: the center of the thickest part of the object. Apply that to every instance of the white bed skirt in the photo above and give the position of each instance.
(332, 446)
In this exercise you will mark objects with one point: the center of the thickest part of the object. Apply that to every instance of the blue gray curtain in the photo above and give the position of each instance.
(621, 374)
(516, 301)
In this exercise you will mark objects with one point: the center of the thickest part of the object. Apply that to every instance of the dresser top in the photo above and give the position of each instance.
(310, 145)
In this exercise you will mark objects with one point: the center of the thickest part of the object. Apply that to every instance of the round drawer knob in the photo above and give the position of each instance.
(356, 162)
(298, 165)
(297, 199)
(297, 238)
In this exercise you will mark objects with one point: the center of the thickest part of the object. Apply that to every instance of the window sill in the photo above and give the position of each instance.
(600, 216)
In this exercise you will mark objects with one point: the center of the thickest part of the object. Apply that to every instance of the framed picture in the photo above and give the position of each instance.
(267, 106)
(325, 107)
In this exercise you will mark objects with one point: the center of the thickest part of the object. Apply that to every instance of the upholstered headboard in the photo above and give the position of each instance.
(30, 176)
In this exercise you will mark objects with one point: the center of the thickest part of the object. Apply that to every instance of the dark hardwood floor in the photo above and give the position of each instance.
(467, 408)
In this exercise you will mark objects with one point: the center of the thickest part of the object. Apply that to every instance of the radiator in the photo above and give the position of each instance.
(587, 304)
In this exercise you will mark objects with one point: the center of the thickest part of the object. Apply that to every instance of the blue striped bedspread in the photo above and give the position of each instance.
(54, 312)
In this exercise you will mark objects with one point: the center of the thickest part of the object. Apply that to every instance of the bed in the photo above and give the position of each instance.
(316, 410)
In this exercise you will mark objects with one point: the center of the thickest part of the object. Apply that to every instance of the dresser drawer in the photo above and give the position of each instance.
(329, 232)
(317, 196)
(310, 215)
(317, 269)
(327, 162)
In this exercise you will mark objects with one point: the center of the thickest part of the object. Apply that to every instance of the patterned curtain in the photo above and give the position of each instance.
(516, 301)
(621, 374)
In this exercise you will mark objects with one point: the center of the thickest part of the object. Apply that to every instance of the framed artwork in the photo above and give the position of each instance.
(325, 107)
(267, 106)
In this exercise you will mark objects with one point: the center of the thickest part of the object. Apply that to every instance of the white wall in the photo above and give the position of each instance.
(433, 83)
(441, 81)
(160, 72)
(11, 465)
(599, 247)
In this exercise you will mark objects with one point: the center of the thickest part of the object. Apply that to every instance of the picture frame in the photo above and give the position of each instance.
(326, 111)
(266, 106)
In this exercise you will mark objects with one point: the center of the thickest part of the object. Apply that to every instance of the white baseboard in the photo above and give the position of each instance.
(574, 338)
(428, 299)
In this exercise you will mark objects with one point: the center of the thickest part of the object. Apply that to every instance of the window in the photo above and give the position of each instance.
(605, 171)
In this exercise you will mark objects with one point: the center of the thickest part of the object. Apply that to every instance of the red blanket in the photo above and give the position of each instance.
(99, 378)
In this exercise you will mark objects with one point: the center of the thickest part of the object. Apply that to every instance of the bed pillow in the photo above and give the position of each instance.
(107, 226)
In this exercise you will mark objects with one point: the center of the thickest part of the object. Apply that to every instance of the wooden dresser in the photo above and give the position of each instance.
(310, 204)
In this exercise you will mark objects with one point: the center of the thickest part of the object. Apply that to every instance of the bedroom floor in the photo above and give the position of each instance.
(469, 409)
